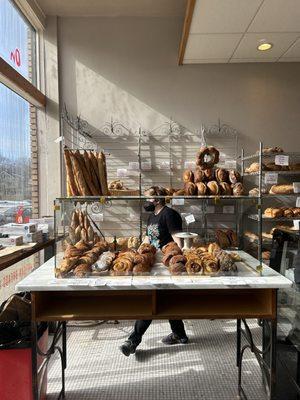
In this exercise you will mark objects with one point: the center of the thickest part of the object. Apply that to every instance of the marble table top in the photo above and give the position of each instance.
(43, 279)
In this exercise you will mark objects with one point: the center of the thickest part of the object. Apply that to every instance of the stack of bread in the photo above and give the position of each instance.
(79, 258)
(282, 212)
(86, 173)
(226, 238)
(204, 260)
(80, 228)
(134, 262)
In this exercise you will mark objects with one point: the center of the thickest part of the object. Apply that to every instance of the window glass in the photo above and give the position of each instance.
(17, 40)
(16, 124)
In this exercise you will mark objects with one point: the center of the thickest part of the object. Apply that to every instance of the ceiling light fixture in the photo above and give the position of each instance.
(264, 45)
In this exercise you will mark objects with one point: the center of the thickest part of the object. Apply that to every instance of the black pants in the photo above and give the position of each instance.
(142, 325)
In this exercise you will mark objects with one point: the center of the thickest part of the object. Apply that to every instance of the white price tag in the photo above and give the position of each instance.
(59, 139)
(210, 209)
(189, 164)
(297, 224)
(296, 186)
(165, 165)
(122, 173)
(146, 165)
(228, 209)
(190, 219)
(133, 166)
(271, 178)
(230, 164)
(177, 202)
(298, 202)
(281, 160)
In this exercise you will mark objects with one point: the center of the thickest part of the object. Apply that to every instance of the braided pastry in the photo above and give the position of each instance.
(82, 270)
(72, 251)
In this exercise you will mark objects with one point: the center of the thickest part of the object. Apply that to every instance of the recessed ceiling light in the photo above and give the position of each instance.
(264, 45)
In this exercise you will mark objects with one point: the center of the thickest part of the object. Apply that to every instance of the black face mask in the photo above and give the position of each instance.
(149, 206)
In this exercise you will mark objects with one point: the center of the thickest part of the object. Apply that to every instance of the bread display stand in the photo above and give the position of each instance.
(160, 297)
(187, 239)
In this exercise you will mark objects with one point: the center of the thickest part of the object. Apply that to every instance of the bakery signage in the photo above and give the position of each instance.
(281, 160)
(271, 178)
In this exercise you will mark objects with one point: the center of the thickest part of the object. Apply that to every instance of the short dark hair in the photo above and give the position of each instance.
(157, 191)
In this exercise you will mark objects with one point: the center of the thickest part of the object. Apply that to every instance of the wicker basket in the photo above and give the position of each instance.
(124, 192)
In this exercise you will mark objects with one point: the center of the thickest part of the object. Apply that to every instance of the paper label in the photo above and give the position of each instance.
(281, 160)
(177, 202)
(189, 164)
(133, 166)
(146, 165)
(165, 165)
(297, 224)
(271, 178)
(298, 202)
(296, 186)
(190, 219)
(122, 173)
(210, 209)
(228, 209)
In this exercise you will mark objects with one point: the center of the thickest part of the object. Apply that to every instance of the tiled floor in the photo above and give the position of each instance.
(203, 369)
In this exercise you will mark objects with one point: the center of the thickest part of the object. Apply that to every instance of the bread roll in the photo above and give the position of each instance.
(281, 189)
(188, 176)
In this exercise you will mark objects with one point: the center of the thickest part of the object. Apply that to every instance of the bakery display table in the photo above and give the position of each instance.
(246, 295)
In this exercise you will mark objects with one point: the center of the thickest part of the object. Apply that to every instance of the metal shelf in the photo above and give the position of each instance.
(279, 172)
(255, 156)
(255, 217)
(108, 198)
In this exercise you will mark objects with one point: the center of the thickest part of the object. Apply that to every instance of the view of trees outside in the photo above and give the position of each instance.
(17, 47)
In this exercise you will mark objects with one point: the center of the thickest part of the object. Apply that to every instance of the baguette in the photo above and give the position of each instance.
(82, 186)
(102, 174)
(94, 163)
(86, 175)
(70, 174)
(92, 175)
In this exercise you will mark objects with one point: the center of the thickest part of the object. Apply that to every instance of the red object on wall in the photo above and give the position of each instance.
(15, 56)
(16, 375)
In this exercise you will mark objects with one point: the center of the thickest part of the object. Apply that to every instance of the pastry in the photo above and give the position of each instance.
(213, 188)
(188, 176)
(281, 189)
(272, 150)
(210, 264)
(221, 175)
(194, 266)
(82, 246)
(122, 243)
(72, 251)
(167, 257)
(141, 269)
(234, 176)
(209, 174)
(294, 167)
(296, 211)
(122, 266)
(72, 235)
(238, 189)
(67, 264)
(254, 167)
(225, 189)
(133, 242)
(254, 192)
(232, 236)
(213, 247)
(170, 191)
(198, 175)
(116, 185)
(170, 246)
(180, 258)
(201, 188)
(105, 262)
(177, 269)
(82, 270)
(180, 192)
(222, 239)
(226, 262)
(146, 248)
(190, 188)
(271, 166)
(70, 174)
(207, 157)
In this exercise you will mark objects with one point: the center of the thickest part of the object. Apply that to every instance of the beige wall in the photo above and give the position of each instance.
(126, 68)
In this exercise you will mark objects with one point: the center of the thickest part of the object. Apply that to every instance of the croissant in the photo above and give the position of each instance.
(82, 270)
(188, 176)
(194, 266)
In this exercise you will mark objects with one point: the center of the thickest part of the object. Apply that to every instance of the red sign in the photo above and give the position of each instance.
(15, 56)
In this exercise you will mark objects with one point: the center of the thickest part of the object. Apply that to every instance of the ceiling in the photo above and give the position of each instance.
(229, 31)
(113, 8)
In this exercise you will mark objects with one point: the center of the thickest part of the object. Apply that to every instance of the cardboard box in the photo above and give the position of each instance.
(18, 229)
(35, 237)
(11, 241)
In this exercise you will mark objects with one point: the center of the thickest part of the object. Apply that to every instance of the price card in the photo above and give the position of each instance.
(297, 224)
(133, 166)
(189, 164)
(228, 209)
(210, 209)
(190, 219)
(296, 186)
(177, 202)
(122, 173)
(281, 160)
(230, 164)
(271, 178)
(146, 165)
(298, 202)
(165, 165)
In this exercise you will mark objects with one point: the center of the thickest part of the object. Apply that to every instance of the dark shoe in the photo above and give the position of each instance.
(172, 338)
(128, 347)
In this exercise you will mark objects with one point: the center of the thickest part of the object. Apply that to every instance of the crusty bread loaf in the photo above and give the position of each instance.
(78, 174)
(281, 189)
(103, 173)
(73, 189)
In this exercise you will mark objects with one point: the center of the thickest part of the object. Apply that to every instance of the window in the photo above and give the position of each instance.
(17, 131)
(17, 40)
